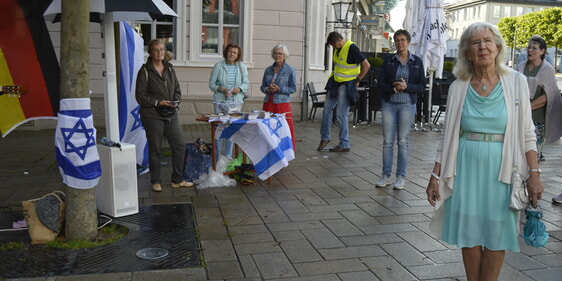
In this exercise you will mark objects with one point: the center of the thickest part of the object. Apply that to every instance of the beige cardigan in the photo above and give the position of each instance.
(513, 84)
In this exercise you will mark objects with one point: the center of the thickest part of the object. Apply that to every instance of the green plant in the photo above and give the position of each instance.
(448, 65)
(106, 235)
(375, 61)
(11, 246)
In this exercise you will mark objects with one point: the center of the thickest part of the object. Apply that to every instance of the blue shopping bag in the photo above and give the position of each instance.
(197, 161)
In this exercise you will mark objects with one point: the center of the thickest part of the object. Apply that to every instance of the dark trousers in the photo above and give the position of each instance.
(156, 130)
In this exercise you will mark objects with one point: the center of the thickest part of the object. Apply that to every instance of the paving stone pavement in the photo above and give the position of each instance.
(321, 218)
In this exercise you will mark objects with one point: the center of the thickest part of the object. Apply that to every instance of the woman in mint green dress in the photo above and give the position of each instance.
(469, 185)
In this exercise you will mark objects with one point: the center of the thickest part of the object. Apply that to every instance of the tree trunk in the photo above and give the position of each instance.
(81, 209)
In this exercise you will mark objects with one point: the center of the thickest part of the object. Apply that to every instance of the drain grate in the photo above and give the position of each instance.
(167, 227)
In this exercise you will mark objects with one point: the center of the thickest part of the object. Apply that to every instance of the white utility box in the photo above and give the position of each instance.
(116, 192)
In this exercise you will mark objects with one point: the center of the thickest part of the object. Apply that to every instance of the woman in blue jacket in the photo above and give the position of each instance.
(278, 83)
(401, 78)
(229, 83)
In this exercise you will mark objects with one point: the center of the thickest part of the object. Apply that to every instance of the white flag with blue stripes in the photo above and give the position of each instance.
(75, 144)
(132, 59)
(267, 142)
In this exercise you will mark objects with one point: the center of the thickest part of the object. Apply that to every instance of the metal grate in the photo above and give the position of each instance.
(170, 227)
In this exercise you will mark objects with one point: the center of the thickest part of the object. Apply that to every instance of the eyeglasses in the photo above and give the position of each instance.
(158, 50)
(533, 48)
(487, 42)
(278, 54)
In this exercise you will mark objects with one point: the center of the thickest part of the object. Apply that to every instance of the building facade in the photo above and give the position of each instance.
(462, 13)
(203, 27)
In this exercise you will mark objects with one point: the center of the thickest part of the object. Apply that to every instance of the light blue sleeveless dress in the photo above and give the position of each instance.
(476, 214)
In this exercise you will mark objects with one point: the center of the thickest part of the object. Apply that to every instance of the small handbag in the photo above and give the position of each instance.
(44, 216)
(519, 199)
(165, 111)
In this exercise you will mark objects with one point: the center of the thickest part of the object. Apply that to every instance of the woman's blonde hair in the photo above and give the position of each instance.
(464, 68)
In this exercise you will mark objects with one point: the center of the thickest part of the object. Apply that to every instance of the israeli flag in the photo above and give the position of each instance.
(75, 144)
(267, 142)
(132, 59)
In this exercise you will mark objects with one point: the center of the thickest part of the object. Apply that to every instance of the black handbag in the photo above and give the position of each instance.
(165, 111)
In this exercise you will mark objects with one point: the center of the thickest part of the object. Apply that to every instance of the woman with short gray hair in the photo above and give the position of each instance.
(279, 82)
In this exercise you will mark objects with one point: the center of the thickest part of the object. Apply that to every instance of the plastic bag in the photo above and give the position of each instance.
(216, 178)
(534, 231)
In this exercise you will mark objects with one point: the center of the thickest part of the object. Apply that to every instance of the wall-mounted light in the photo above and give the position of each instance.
(341, 10)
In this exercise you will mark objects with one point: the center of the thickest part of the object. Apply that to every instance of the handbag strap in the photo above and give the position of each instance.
(58, 194)
(515, 134)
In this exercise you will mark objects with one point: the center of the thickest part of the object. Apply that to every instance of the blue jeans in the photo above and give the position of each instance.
(227, 149)
(396, 122)
(342, 103)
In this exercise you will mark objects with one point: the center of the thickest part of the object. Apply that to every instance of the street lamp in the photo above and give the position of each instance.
(341, 10)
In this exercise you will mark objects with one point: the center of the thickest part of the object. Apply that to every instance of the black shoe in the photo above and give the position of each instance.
(339, 149)
(322, 145)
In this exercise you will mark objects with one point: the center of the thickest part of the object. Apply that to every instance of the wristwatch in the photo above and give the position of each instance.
(536, 170)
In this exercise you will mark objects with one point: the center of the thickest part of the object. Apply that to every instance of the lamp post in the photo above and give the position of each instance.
(341, 10)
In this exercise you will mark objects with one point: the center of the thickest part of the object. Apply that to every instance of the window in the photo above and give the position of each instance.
(161, 28)
(220, 25)
(497, 11)
(215, 24)
(507, 11)
(519, 11)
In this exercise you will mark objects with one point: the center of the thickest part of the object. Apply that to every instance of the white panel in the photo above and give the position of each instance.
(116, 192)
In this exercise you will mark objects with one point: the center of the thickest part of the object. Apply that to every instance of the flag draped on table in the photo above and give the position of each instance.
(130, 126)
(28, 60)
(75, 143)
(267, 142)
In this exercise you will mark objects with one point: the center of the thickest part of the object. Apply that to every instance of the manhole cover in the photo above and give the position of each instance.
(152, 253)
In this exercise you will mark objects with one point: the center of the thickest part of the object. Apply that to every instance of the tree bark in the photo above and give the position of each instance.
(81, 210)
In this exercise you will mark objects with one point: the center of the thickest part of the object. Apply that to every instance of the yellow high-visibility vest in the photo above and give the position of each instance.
(342, 70)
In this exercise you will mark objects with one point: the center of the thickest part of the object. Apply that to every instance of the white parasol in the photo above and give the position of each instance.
(414, 13)
(429, 41)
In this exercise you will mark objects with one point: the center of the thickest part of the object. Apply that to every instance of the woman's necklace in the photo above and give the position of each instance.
(484, 84)
(484, 88)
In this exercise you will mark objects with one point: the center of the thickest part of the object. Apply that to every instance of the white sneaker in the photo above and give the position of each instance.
(399, 183)
(383, 181)
(557, 198)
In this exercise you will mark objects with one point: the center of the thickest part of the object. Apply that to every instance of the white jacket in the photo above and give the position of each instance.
(514, 84)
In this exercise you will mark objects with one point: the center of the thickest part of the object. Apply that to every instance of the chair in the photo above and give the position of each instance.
(443, 91)
(316, 103)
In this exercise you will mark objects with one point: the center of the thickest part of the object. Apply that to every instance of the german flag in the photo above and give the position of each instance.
(27, 60)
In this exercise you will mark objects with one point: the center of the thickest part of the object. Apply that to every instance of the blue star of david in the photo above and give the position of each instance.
(136, 118)
(273, 131)
(69, 136)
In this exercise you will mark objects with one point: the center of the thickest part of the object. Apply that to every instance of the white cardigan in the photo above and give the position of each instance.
(513, 84)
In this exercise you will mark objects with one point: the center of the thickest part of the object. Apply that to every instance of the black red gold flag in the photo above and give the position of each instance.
(29, 69)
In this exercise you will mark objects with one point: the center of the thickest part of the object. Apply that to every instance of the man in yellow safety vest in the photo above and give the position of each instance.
(350, 66)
